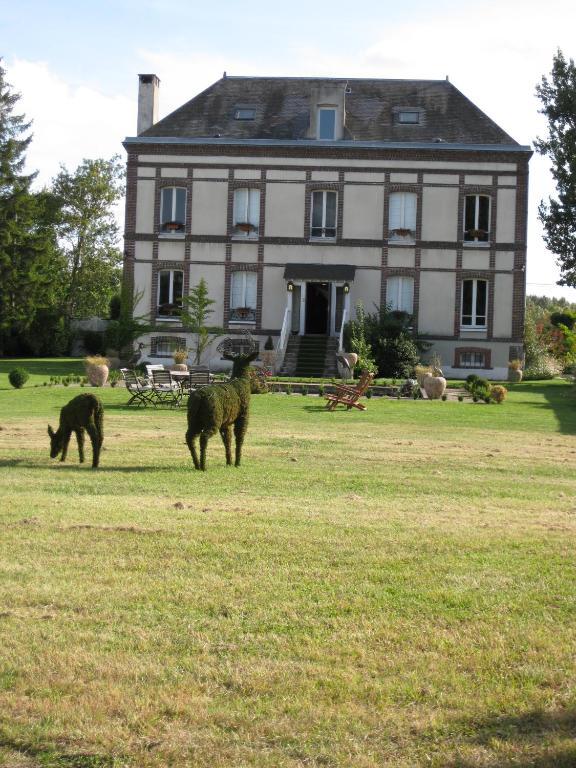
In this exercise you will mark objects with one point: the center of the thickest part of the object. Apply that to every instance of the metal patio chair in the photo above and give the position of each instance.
(166, 390)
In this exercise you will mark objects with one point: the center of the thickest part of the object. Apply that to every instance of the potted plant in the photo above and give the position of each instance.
(172, 226)
(477, 234)
(244, 226)
(97, 370)
(515, 371)
(180, 356)
(402, 232)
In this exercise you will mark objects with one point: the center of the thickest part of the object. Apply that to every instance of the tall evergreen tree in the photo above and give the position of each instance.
(558, 97)
(27, 244)
(88, 235)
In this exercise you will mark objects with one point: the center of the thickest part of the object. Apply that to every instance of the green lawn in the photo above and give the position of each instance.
(388, 588)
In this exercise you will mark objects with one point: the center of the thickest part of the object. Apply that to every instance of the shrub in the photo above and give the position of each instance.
(269, 345)
(18, 377)
(304, 390)
(460, 398)
(396, 356)
(321, 390)
(444, 398)
(498, 393)
(288, 389)
(543, 367)
(93, 342)
(258, 382)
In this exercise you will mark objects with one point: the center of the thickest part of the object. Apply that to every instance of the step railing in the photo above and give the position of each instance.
(284, 338)
(341, 336)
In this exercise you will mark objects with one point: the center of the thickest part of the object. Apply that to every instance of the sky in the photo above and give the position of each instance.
(75, 65)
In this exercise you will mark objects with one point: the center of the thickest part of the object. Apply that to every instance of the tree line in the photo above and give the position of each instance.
(59, 254)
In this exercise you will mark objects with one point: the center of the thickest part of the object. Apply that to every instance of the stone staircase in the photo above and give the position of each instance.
(309, 356)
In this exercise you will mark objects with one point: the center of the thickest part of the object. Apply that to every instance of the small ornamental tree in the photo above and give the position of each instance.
(123, 330)
(196, 309)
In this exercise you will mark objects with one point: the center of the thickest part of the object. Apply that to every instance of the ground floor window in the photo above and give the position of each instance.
(474, 303)
(164, 346)
(400, 294)
(170, 291)
(243, 293)
(472, 358)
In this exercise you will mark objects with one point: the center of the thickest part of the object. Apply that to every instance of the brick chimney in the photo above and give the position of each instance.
(147, 102)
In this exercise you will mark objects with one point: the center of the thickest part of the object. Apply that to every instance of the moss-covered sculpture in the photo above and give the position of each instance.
(219, 407)
(84, 412)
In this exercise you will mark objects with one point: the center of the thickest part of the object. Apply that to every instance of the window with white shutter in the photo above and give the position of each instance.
(400, 294)
(402, 216)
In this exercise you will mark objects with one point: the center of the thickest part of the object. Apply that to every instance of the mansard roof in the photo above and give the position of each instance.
(282, 111)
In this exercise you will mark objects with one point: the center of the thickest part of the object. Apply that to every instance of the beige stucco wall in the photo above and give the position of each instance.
(437, 298)
(174, 173)
(433, 257)
(202, 252)
(499, 354)
(246, 253)
(145, 206)
(476, 258)
(274, 297)
(504, 260)
(439, 213)
(503, 288)
(285, 210)
(143, 251)
(213, 274)
(366, 288)
(363, 212)
(401, 257)
(171, 250)
(209, 208)
(143, 284)
(506, 215)
(326, 254)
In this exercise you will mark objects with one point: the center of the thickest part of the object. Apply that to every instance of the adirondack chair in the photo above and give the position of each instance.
(349, 396)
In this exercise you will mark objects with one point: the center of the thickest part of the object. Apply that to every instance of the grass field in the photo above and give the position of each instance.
(388, 588)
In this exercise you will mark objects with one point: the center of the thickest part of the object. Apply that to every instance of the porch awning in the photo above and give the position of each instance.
(323, 273)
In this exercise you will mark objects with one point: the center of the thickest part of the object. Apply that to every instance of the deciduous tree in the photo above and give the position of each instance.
(558, 215)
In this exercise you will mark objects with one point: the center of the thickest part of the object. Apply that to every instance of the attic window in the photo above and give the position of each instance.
(244, 113)
(408, 116)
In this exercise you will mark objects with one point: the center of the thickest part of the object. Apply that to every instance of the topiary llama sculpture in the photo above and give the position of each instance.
(84, 412)
(219, 407)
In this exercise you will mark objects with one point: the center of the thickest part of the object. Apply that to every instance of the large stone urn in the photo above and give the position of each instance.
(434, 386)
(97, 370)
(514, 375)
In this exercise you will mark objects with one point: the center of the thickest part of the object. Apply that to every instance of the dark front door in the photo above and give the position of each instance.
(317, 307)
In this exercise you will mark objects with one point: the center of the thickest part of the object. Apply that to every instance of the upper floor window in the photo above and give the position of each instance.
(400, 294)
(327, 123)
(170, 291)
(476, 218)
(173, 209)
(246, 218)
(474, 303)
(408, 116)
(323, 214)
(402, 216)
(244, 113)
(243, 296)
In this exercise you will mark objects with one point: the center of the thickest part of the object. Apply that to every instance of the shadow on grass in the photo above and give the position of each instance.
(560, 398)
(77, 467)
(526, 735)
(47, 757)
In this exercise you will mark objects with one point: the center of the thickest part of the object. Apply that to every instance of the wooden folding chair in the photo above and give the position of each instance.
(166, 390)
(141, 392)
(348, 395)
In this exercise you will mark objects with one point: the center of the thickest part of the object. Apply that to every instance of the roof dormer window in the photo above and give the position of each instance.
(327, 123)
(408, 116)
(244, 113)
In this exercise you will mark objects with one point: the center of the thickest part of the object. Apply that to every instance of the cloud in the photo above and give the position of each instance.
(70, 123)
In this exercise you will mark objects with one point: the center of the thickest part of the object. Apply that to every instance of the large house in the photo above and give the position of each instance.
(297, 198)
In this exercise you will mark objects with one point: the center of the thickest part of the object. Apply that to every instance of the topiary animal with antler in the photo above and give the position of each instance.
(223, 406)
(84, 412)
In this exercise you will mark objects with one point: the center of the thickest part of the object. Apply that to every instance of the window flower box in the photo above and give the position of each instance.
(243, 314)
(245, 226)
(172, 226)
(402, 232)
(476, 234)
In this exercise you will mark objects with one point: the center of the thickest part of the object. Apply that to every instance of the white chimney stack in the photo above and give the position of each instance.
(147, 102)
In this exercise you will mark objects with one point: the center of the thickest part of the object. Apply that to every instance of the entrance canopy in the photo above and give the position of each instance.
(323, 273)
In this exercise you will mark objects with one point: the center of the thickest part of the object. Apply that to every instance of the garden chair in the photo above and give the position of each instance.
(196, 378)
(150, 368)
(165, 389)
(141, 392)
(349, 395)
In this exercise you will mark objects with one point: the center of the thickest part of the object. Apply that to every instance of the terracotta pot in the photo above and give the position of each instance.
(514, 375)
(97, 374)
(434, 386)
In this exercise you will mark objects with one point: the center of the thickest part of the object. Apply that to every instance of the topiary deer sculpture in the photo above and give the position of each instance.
(84, 412)
(222, 406)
